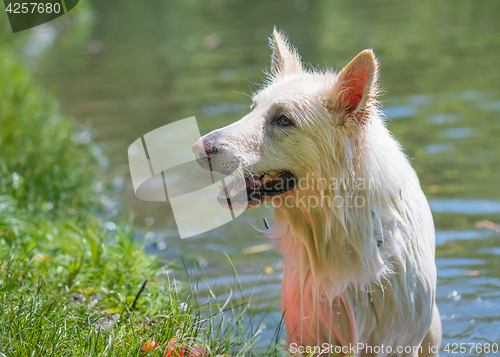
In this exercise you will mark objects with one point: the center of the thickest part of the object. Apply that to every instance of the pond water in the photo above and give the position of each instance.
(127, 67)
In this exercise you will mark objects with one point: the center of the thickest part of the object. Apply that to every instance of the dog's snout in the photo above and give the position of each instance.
(210, 157)
(203, 149)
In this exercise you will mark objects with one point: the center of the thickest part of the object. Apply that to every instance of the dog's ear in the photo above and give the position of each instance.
(285, 58)
(356, 86)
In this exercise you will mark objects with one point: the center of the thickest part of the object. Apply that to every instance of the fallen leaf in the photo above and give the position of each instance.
(149, 346)
(487, 224)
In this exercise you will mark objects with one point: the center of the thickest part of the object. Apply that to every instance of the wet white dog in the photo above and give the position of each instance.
(350, 219)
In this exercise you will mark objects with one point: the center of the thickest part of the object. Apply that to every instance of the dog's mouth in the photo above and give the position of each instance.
(258, 189)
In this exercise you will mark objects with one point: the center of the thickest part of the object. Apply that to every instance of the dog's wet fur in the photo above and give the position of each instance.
(352, 273)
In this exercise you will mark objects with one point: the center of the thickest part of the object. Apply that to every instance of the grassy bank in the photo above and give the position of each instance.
(72, 284)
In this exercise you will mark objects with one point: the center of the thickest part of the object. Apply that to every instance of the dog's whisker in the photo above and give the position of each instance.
(251, 177)
(245, 94)
(254, 85)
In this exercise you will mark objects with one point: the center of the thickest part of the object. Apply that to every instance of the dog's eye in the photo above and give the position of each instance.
(284, 121)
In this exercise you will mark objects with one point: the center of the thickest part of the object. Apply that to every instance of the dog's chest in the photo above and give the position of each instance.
(366, 317)
(312, 318)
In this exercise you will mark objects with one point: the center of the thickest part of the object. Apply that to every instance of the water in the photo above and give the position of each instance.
(132, 66)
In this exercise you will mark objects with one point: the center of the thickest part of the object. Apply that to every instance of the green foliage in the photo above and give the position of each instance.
(45, 164)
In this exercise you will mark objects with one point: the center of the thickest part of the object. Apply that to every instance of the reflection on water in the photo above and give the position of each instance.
(140, 65)
(465, 206)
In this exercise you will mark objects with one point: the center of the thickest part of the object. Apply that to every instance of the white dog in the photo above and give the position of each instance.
(350, 219)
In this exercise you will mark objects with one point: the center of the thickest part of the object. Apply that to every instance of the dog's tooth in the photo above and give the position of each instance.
(272, 173)
(222, 193)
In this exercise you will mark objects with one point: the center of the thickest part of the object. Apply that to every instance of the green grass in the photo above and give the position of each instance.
(66, 290)
(72, 284)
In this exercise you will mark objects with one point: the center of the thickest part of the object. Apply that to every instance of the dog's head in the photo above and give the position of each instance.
(299, 122)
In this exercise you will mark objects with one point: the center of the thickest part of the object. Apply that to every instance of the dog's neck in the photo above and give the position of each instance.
(317, 244)
(334, 242)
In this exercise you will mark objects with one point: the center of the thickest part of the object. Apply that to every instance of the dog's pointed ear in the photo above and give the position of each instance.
(356, 86)
(285, 58)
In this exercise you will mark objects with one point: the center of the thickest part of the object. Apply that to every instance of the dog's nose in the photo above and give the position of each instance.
(199, 149)
(203, 150)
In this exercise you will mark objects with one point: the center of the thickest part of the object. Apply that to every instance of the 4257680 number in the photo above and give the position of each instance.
(474, 348)
(33, 8)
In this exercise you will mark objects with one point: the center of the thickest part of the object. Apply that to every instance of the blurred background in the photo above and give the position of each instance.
(123, 68)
